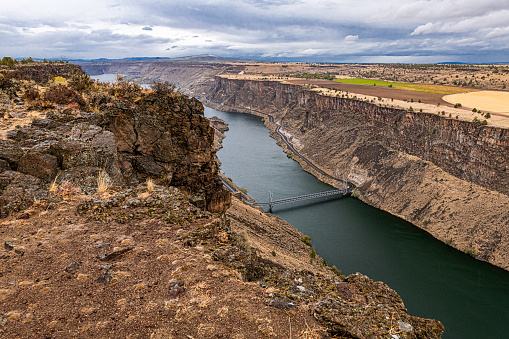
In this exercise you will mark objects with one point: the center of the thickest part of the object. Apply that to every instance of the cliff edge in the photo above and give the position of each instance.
(446, 176)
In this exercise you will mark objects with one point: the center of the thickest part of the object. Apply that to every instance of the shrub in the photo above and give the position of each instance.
(163, 88)
(63, 95)
(273, 253)
(31, 94)
(306, 239)
(336, 271)
(243, 190)
(457, 105)
(81, 81)
(471, 252)
(474, 110)
(484, 122)
(487, 116)
(312, 253)
(124, 88)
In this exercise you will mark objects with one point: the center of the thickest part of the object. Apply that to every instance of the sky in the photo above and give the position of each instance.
(406, 31)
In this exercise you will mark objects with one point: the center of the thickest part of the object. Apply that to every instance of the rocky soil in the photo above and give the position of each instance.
(114, 223)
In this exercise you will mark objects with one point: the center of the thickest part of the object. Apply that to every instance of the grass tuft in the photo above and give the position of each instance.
(103, 182)
(150, 185)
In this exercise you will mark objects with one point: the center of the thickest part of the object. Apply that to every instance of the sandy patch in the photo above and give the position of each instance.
(493, 101)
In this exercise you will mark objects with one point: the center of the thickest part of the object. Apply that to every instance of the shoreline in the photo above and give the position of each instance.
(272, 128)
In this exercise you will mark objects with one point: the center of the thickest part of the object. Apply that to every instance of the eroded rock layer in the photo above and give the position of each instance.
(446, 176)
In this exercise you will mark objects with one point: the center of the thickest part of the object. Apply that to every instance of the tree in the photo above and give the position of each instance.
(8, 61)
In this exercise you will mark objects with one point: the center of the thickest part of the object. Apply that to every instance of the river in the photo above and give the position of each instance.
(471, 298)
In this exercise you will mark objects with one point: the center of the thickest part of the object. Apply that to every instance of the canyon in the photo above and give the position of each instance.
(114, 222)
(446, 176)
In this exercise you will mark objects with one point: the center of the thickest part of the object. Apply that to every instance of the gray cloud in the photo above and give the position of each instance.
(366, 30)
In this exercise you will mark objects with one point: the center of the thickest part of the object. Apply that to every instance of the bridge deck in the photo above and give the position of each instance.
(304, 197)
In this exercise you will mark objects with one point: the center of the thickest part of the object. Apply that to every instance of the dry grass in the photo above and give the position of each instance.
(103, 182)
(494, 101)
(53, 186)
(150, 185)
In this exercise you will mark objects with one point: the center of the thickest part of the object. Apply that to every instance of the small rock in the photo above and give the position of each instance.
(105, 244)
(176, 288)
(23, 216)
(279, 304)
(21, 253)
(9, 245)
(106, 266)
(115, 254)
(105, 278)
(73, 267)
(405, 327)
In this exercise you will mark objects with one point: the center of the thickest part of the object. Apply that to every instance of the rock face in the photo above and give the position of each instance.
(446, 176)
(131, 134)
(167, 138)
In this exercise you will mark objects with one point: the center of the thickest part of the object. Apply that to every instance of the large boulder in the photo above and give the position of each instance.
(19, 191)
(40, 165)
(11, 152)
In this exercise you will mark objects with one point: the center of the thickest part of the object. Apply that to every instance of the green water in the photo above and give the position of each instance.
(469, 297)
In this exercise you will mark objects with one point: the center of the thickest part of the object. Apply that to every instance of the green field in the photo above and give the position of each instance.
(435, 89)
(368, 82)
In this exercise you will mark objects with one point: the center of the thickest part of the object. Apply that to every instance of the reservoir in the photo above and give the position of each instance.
(471, 298)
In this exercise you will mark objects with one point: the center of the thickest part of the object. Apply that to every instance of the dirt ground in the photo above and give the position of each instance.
(378, 91)
(56, 283)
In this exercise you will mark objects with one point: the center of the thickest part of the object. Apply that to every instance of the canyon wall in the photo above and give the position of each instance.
(448, 177)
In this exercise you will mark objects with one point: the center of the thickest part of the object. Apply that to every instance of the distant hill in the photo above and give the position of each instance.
(207, 58)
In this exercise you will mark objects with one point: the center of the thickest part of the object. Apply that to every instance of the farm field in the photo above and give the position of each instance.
(494, 101)
(423, 88)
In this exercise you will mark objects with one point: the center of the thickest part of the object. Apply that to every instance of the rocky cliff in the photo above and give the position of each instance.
(104, 232)
(40, 72)
(80, 129)
(446, 176)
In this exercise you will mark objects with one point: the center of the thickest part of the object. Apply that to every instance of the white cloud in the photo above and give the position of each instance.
(351, 38)
(325, 30)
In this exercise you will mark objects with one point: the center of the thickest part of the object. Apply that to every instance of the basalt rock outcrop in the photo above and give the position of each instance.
(448, 177)
(132, 136)
(41, 73)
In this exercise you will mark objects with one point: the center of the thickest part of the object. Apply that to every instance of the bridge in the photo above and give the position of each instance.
(346, 190)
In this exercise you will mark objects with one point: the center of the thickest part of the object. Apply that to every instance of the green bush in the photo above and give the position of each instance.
(336, 271)
(306, 239)
(471, 252)
(312, 253)
(81, 81)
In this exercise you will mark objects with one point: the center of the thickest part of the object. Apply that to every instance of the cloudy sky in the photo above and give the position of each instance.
(306, 30)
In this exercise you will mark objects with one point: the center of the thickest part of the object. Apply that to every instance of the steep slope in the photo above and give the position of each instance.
(447, 177)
